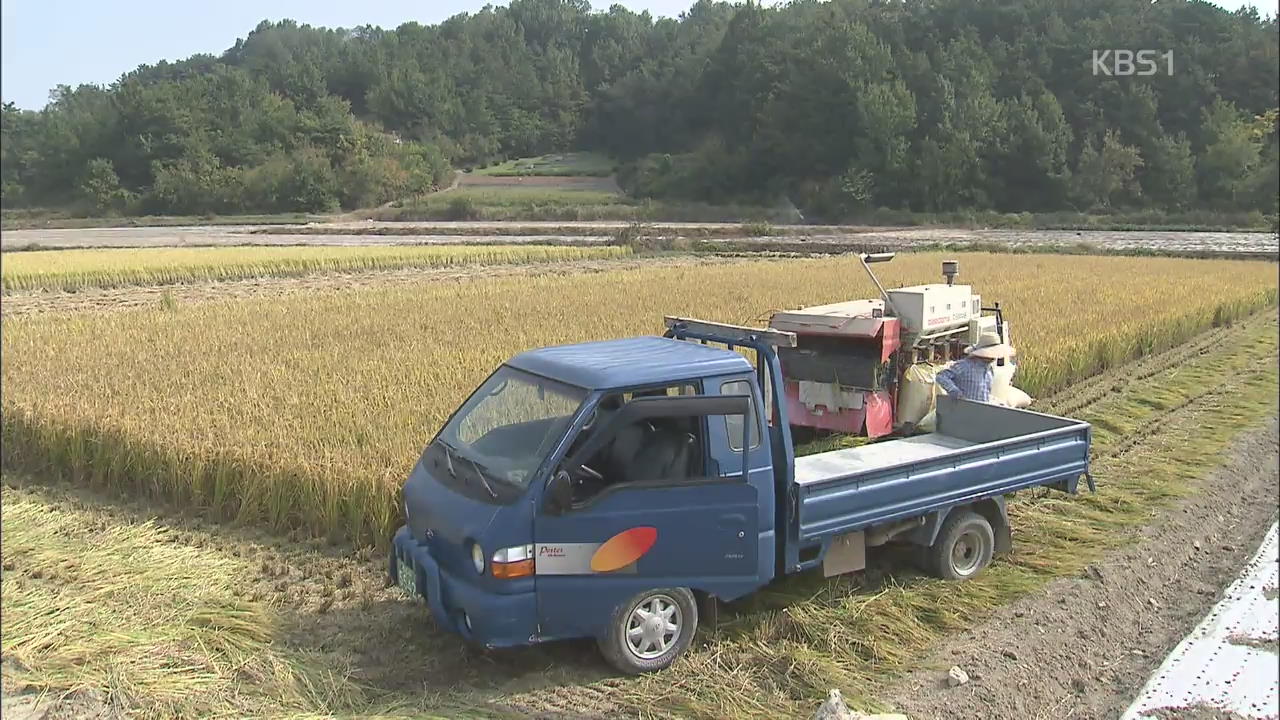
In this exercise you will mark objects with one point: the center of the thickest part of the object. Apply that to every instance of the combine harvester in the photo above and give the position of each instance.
(867, 367)
(616, 490)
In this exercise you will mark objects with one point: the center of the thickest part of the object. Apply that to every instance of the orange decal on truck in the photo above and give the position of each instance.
(623, 549)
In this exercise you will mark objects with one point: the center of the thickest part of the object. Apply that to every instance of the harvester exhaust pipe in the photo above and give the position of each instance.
(950, 269)
(865, 259)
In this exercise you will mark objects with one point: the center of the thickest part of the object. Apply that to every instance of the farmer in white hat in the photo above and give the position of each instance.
(971, 377)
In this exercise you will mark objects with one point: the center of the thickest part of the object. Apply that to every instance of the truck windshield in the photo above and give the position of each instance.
(509, 424)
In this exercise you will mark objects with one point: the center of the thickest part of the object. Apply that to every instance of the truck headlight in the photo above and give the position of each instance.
(513, 562)
(477, 558)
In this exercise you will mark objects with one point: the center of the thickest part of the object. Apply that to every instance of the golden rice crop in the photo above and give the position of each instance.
(76, 269)
(308, 411)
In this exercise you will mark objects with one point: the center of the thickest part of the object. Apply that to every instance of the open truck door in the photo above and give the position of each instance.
(634, 520)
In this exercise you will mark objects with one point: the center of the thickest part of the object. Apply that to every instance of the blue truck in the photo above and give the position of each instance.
(615, 490)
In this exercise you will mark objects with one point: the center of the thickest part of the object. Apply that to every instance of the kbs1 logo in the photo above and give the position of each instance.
(1127, 63)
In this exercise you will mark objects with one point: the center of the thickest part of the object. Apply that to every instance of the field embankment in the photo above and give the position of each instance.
(255, 624)
(705, 237)
(672, 213)
(305, 412)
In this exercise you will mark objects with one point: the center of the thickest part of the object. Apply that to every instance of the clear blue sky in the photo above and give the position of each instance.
(48, 42)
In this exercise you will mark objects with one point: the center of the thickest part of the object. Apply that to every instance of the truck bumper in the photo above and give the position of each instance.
(486, 618)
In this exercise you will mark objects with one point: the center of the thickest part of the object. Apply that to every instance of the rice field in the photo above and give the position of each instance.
(79, 269)
(306, 412)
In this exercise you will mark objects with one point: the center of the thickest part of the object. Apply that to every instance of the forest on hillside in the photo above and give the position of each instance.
(840, 105)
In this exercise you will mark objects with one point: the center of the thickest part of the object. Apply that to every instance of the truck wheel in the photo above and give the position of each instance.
(650, 630)
(963, 548)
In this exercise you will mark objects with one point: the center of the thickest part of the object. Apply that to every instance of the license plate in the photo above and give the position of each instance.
(406, 576)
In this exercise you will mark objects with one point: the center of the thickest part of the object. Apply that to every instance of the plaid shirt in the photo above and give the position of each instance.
(969, 378)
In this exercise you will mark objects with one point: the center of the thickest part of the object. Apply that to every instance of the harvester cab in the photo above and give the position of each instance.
(866, 367)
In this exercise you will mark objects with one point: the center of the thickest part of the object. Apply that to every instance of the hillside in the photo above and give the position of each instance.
(841, 105)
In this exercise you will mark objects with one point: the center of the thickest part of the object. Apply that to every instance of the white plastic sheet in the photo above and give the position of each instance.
(1216, 666)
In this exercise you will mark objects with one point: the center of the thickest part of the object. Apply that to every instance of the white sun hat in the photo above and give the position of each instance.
(989, 346)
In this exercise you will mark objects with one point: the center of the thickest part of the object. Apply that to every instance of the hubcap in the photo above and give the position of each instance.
(653, 626)
(966, 554)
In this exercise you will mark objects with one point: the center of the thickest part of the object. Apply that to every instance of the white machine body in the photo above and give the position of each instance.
(934, 308)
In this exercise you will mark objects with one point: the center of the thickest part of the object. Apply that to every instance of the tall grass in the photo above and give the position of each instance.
(308, 411)
(77, 269)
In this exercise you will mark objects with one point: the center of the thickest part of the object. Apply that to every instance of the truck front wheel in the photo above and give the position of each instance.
(650, 630)
(964, 546)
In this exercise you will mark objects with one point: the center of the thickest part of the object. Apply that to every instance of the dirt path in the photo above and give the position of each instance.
(107, 299)
(1082, 647)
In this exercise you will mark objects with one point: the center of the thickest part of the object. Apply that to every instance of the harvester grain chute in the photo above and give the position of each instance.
(866, 367)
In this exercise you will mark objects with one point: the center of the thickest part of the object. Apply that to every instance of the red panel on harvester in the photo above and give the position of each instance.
(876, 414)
(891, 337)
(879, 409)
(847, 420)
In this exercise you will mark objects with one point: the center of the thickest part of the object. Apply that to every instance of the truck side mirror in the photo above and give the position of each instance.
(559, 495)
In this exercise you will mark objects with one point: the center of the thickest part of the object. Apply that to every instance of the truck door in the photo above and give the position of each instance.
(726, 435)
(634, 507)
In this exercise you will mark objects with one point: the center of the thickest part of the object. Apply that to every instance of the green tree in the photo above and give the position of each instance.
(930, 105)
(1230, 153)
(1102, 174)
(100, 187)
(1170, 177)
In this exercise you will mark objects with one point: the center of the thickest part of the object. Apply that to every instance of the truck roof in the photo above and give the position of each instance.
(629, 362)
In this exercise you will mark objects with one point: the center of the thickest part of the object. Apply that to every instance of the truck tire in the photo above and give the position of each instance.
(964, 546)
(650, 630)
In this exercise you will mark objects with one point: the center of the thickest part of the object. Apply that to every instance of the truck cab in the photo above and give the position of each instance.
(612, 489)
(510, 545)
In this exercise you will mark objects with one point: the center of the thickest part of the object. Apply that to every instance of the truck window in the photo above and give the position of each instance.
(658, 450)
(673, 390)
(733, 423)
(506, 427)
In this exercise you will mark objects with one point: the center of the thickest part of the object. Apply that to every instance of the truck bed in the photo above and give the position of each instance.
(978, 451)
(839, 463)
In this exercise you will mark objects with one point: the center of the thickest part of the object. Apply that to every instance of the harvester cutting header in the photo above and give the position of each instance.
(868, 367)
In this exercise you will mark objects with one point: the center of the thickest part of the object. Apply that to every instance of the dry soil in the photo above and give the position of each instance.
(1083, 647)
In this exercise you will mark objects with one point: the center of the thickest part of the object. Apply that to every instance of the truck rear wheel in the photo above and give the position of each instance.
(964, 546)
(650, 630)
